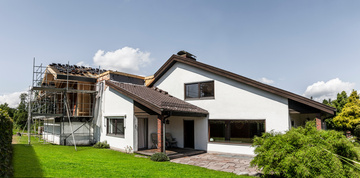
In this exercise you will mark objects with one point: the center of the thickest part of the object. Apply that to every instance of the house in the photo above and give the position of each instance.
(203, 107)
(65, 101)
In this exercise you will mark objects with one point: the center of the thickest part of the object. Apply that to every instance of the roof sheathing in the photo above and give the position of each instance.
(120, 73)
(175, 58)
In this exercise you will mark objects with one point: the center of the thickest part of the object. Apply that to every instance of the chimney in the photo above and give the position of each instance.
(186, 54)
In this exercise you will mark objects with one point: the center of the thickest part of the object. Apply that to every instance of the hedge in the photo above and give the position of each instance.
(6, 126)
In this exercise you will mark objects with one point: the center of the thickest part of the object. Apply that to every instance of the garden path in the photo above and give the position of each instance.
(235, 163)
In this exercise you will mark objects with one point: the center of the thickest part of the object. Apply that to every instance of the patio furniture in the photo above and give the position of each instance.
(154, 140)
(170, 140)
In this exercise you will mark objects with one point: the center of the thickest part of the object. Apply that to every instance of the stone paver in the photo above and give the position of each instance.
(235, 163)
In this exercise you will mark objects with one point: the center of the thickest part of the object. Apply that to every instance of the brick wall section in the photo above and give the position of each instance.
(160, 133)
(318, 121)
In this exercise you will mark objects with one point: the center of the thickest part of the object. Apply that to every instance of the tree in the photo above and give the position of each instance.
(21, 113)
(327, 102)
(338, 103)
(10, 111)
(349, 116)
(305, 152)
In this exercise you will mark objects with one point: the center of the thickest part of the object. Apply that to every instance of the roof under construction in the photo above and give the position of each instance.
(76, 70)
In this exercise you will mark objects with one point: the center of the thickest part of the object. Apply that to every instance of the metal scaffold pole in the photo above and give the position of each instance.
(29, 107)
(29, 119)
(68, 116)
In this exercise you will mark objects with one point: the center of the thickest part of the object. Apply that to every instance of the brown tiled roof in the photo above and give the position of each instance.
(291, 96)
(155, 99)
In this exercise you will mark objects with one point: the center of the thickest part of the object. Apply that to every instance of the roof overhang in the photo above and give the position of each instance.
(154, 108)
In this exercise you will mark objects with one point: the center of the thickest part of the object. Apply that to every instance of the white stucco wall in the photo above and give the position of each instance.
(116, 104)
(233, 100)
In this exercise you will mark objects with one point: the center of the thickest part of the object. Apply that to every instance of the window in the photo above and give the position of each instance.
(199, 90)
(115, 127)
(235, 131)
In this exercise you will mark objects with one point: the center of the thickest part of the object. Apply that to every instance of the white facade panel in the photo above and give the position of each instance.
(51, 132)
(231, 148)
(116, 104)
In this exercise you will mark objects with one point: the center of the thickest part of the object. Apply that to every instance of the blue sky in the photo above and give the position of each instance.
(292, 45)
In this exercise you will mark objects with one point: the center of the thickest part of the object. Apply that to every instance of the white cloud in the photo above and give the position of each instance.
(126, 59)
(12, 99)
(266, 81)
(324, 90)
(82, 63)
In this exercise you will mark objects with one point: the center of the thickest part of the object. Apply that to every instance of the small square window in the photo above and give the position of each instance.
(192, 90)
(115, 127)
(207, 89)
(199, 90)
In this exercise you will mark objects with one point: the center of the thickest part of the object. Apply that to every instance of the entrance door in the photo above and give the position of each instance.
(142, 133)
(188, 134)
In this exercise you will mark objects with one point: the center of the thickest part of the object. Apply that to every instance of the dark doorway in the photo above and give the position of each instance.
(188, 134)
(142, 133)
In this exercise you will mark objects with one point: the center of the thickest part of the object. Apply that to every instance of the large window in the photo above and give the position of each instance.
(235, 131)
(199, 90)
(115, 127)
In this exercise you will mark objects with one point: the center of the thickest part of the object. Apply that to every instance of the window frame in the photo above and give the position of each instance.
(229, 130)
(108, 119)
(199, 90)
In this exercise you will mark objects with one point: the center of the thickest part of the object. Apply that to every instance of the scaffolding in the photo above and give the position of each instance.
(62, 99)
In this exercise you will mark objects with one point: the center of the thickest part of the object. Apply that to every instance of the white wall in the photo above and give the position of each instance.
(231, 148)
(233, 100)
(116, 104)
(51, 132)
(82, 134)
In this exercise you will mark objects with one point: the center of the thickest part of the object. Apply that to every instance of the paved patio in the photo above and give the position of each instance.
(173, 153)
(235, 163)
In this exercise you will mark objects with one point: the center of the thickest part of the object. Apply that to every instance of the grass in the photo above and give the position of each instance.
(47, 160)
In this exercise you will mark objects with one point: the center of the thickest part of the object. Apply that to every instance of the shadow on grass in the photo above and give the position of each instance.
(25, 161)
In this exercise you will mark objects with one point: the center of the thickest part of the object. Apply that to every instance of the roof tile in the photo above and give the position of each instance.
(156, 97)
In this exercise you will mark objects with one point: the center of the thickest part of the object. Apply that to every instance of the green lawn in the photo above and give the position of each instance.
(46, 160)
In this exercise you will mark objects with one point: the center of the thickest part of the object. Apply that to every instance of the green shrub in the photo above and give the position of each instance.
(357, 131)
(159, 157)
(306, 152)
(103, 144)
(6, 126)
